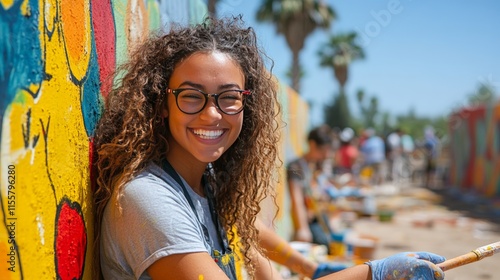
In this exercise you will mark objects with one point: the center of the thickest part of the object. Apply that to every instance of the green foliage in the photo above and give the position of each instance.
(484, 94)
(296, 20)
(282, 12)
(338, 53)
(340, 49)
(337, 114)
(369, 110)
(415, 125)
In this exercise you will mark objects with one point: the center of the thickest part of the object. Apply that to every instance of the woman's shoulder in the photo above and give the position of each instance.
(297, 163)
(152, 189)
(152, 179)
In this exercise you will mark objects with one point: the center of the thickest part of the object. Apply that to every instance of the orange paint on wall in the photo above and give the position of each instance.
(6, 274)
(75, 25)
(479, 172)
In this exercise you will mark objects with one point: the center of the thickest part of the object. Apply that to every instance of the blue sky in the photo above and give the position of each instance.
(425, 55)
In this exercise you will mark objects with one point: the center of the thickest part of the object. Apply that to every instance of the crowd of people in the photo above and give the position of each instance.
(186, 151)
(341, 164)
(376, 159)
(367, 157)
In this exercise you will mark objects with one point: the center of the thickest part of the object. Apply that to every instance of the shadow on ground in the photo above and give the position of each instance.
(470, 204)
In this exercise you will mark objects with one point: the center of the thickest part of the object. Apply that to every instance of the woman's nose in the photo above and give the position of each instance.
(211, 110)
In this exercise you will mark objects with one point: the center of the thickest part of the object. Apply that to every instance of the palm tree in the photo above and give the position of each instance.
(369, 111)
(211, 6)
(337, 113)
(296, 19)
(485, 94)
(340, 51)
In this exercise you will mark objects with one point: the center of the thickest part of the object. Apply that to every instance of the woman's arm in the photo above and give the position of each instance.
(280, 251)
(358, 272)
(265, 270)
(299, 212)
(186, 267)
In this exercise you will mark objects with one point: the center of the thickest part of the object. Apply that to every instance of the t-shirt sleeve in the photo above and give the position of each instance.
(156, 221)
(295, 172)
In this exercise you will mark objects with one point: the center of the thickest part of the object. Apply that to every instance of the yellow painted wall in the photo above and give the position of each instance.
(295, 116)
(55, 55)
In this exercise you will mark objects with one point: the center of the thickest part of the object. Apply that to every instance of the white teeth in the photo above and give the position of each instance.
(208, 134)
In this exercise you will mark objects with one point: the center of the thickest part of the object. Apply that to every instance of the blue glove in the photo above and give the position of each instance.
(408, 266)
(327, 268)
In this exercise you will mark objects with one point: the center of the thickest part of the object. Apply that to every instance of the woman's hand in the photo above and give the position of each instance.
(408, 266)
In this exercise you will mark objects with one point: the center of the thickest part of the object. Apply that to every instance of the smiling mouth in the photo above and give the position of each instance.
(208, 134)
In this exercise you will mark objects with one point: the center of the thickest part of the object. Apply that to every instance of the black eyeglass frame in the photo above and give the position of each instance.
(176, 93)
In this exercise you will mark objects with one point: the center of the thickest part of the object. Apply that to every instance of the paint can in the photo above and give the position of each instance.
(363, 247)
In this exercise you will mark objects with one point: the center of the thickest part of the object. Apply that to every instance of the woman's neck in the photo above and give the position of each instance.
(191, 172)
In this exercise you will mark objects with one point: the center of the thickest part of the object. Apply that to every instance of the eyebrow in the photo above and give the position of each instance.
(201, 87)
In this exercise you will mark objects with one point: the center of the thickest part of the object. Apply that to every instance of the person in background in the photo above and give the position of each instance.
(373, 155)
(346, 174)
(394, 154)
(347, 155)
(408, 149)
(311, 224)
(307, 193)
(407, 144)
(431, 151)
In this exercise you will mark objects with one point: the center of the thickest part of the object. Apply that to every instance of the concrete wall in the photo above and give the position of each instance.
(55, 56)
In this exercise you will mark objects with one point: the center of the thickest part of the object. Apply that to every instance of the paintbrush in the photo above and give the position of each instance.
(473, 256)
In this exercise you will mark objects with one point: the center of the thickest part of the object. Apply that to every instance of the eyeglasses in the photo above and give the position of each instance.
(192, 101)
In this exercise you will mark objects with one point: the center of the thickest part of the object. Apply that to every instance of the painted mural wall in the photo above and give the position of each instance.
(55, 57)
(295, 115)
(475, 150)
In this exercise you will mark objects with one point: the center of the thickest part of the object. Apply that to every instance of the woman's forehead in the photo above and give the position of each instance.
(208, 68)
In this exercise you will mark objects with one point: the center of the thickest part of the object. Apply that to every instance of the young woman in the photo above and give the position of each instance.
(186, 152)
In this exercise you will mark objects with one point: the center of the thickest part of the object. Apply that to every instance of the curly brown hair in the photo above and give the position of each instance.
(131, 132)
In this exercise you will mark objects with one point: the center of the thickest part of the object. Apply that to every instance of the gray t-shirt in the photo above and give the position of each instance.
(155, 221)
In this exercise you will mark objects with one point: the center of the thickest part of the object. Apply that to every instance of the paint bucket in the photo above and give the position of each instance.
(337, 247)
(363, 247)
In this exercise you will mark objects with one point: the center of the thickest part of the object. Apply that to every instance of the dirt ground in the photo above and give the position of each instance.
(442, 221)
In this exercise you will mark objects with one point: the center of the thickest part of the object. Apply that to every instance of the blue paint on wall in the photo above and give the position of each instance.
(20, 53)
(91, 100)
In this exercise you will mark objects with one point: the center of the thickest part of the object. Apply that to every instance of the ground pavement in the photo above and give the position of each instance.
(443, 221)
